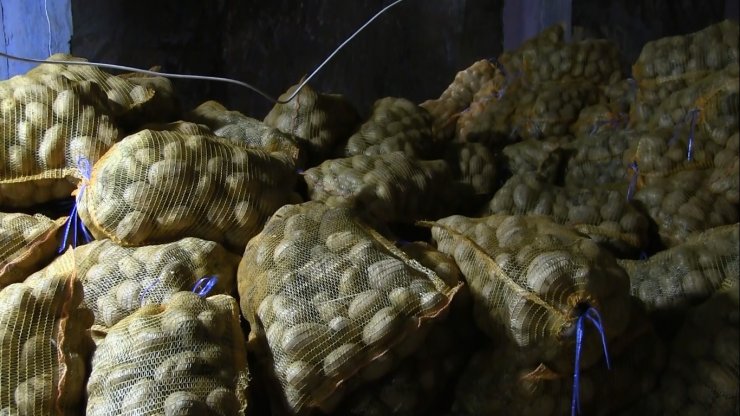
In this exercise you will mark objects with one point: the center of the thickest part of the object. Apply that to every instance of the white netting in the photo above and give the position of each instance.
(161, 186)
(328, 298)
(186, 357)
(27, 243)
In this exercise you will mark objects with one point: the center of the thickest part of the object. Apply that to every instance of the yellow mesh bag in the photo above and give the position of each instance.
(186, 357)
(541, 157)
(240, 129)
(332, 303)
(473, 164)
(597, 117)
(163, 105)
(155, 187)
(323, 120)
(395, 124)
(184, 127)
(489, 120)
(502, 381)
(703, 376)
(48, 124)
(725, 180)
(620, 95)
(531, 278)
(387, 188)
(460, 93)
(43, 344)
(517, 61)
(119, 280)
(597, 160)
(688, 273)
(682, 204)
(555, 107)
(603, 214)
(27, 243)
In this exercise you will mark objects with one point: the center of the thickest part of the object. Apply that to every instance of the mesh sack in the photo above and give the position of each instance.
(322, 120)
(157, 187)
(238, 128)
(119, 280)
(164, 105)
(474, 165)
(703, 375)
(332, 303)
(122, 94)
(386, 188)
(27, 243)
(688, 273)
(43, 344)
(554, 107)
(725, 181)
(620, 95)
(673, 63)
(49, 123)
(516, 61)
(530, 278)
(596, 159)
(184, 127)
(597, 117)
(543, 158)
(603, 214)
(186, 357)
(682, 204)
(501, 381)
(395, 124)
(489, 120)
(459, 95)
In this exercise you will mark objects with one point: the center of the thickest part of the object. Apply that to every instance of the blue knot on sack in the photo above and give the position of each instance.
(691, 117)
(204, 285)
(633, 180)
(591, 314)
(74, 224)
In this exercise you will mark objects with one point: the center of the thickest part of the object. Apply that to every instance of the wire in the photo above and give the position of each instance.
(48, 24)
(210, 78)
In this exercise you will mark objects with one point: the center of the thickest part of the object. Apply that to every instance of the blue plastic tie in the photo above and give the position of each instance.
(633, 180)
(204, 285)
(73, 222)
(592, 315)
(146, 290)
(692, 126)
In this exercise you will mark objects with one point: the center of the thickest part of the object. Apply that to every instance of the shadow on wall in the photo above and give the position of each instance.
(413, 51)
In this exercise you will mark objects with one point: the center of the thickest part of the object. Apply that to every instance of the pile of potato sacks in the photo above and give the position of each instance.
(548, 236)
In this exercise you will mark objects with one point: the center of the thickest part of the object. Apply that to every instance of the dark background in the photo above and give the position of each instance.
(413, 51)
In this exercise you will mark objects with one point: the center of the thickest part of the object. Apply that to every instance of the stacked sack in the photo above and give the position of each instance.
(235, 126)
(687, 274)
(321, 120)
(44, 346)
(49, 123)
(27, 243)
(186, 357)
(332, 304)
(544, 158)
(159, 186)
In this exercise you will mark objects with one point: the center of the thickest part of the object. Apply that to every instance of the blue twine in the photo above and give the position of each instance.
(147, 289)
(204, 285)
(633, 180)
(73, 222)
(619, 121)
(592, 315)
(692, 126)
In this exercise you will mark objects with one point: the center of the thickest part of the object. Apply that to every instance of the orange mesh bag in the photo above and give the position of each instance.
(186, 357)
(44, 347)
(323, 120)
(489, 120)
(119, 280)
(387, 188)
(554, 107)
(27, 243)
(532, 279)
(688, 273)
(603, 214)
(473, 164)
(596, 160)
(541, 157)
(238, 128)
(155, 187)
(672, 63)
(460, 93)
(332, 303)
(682, 204)
(703, 377)
(502, 381)
(395, 124)
(48, 124)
